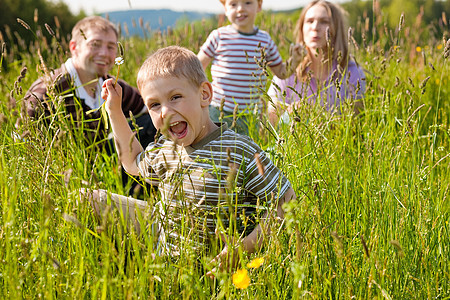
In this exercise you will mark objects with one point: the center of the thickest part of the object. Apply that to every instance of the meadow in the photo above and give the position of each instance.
(371, 218)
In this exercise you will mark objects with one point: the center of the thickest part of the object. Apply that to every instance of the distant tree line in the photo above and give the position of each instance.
(35, 14)
(427, 18)
(430, 18)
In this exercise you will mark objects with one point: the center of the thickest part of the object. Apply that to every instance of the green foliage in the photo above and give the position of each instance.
(371, 218)
(34, 13)
(431, 15)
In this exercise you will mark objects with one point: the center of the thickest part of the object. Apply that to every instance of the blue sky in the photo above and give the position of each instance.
(213, 6)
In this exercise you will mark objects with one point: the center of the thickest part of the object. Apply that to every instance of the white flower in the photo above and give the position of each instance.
(119, 60)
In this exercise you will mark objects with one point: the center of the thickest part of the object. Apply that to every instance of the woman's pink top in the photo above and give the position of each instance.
(331, 93)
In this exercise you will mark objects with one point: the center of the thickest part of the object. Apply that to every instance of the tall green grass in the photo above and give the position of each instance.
(371, 219)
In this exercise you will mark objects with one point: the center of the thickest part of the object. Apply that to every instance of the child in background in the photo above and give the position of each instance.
(237, 61)
(193, 162)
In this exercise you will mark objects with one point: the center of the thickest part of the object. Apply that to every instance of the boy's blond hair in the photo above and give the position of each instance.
(172, 61)
(223, 1)
(87, 23)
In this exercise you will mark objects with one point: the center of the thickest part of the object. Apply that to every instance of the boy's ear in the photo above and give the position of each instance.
(207, 93)
(72, 46)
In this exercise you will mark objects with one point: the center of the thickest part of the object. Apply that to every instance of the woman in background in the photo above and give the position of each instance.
(327, 75)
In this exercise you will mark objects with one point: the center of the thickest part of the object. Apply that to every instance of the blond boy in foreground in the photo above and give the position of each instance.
(194, 161)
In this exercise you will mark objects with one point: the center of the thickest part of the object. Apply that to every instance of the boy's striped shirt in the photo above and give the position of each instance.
(237, 67)
(195, 184)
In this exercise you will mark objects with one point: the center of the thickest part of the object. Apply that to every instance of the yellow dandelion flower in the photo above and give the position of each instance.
(437, 80)
(418, 49)
(256, 263)
(241, 279)
(439, 47)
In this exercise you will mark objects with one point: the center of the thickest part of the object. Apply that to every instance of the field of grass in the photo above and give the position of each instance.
(371, 219)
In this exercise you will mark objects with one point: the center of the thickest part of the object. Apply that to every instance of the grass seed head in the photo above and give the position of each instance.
(235, 113)
(36, 15)
(424, 83)
(339, 244)
(259, 164)
(23, 72)
(397, 247)
(23, 23)
(82, 34)
(447, 49)
(2, 119)
(57, 24)
(222, 103)
(49, 29)
(231, 177)
(402, 21)
(67, 174)
(228, 155)
(328, 36)
(349, 34)
(121, 51)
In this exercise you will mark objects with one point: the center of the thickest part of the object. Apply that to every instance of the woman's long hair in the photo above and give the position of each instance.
(337, 37)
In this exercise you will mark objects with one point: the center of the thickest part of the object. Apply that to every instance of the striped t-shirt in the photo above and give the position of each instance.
(236, 70)
(218, 179)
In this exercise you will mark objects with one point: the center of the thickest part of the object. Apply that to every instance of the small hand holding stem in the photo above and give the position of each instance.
(119, 61)
(228, 258)
(112, 94)
(296, 54)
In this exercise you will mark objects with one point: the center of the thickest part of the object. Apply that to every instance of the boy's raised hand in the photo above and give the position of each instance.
(112, 94)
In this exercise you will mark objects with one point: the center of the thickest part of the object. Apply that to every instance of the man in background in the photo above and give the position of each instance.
(78, 83)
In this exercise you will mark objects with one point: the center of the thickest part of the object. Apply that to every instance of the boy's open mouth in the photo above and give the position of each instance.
(178, 129)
